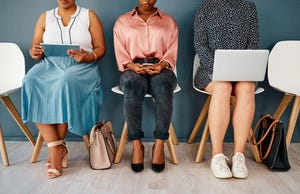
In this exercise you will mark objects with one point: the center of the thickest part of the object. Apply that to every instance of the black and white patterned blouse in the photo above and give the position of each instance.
(223, 24)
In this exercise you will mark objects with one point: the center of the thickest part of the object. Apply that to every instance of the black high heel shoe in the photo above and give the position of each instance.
(139, 166)
(157, 167)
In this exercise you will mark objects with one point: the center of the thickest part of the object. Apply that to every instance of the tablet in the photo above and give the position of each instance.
(58, 49)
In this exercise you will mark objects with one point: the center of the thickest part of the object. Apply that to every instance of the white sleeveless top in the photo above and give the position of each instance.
(76, 32)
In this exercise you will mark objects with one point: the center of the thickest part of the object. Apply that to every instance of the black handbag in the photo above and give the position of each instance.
(270, 140)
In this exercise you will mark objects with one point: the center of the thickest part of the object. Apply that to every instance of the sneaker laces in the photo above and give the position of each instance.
(221, 162)
(239, 161)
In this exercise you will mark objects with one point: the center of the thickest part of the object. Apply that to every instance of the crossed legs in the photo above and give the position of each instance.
(54, 133)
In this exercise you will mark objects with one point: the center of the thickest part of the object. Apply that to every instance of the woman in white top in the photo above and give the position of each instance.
(63, 93)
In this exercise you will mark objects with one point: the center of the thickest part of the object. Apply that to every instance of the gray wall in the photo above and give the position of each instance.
(278, 20)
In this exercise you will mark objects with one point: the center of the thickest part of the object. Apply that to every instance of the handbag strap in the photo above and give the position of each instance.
(270, 129)
(253, 140)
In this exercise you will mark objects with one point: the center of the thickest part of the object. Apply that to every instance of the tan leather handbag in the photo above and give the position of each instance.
(103, 146)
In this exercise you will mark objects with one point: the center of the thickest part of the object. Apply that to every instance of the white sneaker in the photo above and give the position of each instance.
(219, 166)
(239, 168)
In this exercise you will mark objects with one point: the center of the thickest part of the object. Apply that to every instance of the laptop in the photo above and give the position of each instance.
(58, 49)
(240, 65)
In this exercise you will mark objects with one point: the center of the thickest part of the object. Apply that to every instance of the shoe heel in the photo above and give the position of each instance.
(64, 162)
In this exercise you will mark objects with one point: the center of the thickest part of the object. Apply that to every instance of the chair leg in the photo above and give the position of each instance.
(3, 149)
(13, 111)
(86, 142)
(293, 120)
(173, 157)
(286, 99)
(202, 116)
(122, 143)
(202, 145)
(173, 134)
(37, 148)
(254, 148)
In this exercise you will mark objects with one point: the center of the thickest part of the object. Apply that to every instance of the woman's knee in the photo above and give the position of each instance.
(133, 82)
(29, 81)
(247, 88)
(164, 82)
(224, 88)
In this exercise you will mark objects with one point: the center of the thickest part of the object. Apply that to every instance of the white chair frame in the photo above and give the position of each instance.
(12, 72)
(284, 76)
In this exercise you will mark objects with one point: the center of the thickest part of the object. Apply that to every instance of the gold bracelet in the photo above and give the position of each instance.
(95, 56)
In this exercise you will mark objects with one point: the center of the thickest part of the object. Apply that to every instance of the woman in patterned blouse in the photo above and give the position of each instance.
(226, 24)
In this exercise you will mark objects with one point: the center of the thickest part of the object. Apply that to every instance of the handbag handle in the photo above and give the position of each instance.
(92, 133)
(271, 127)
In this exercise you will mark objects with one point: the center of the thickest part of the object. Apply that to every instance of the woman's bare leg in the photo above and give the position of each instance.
(243, 113)
(158, 152)
(219, 113)
(50, 134)
(138, 152)
(62, 130)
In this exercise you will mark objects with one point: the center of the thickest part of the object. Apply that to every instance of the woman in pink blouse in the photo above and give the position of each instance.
(146, 44)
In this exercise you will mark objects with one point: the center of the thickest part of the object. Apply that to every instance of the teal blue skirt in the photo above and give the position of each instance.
(60, 90)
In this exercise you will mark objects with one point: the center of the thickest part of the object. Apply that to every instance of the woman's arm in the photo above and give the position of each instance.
(169, 58)
(253, 41)
(98, 42)
(97, 34)
(201, 42)
(36, 51)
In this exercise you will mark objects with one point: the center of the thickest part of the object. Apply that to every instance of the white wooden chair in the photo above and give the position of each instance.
(203, 115)
(123, 139)
(284, 76)
(12, 72)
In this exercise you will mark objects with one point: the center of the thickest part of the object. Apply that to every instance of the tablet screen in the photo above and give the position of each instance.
(58, 49)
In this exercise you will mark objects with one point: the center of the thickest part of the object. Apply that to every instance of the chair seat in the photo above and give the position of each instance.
(257, 91)
(7, 92)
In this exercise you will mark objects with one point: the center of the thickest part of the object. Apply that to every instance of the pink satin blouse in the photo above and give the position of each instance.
(135, 38)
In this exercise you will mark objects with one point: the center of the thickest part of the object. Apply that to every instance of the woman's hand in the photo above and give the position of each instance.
(155, 68)
(136, 67)
(36, 52)
(79, 55)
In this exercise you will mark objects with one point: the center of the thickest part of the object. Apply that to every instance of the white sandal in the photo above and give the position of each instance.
(64, 163)
(56, 173)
